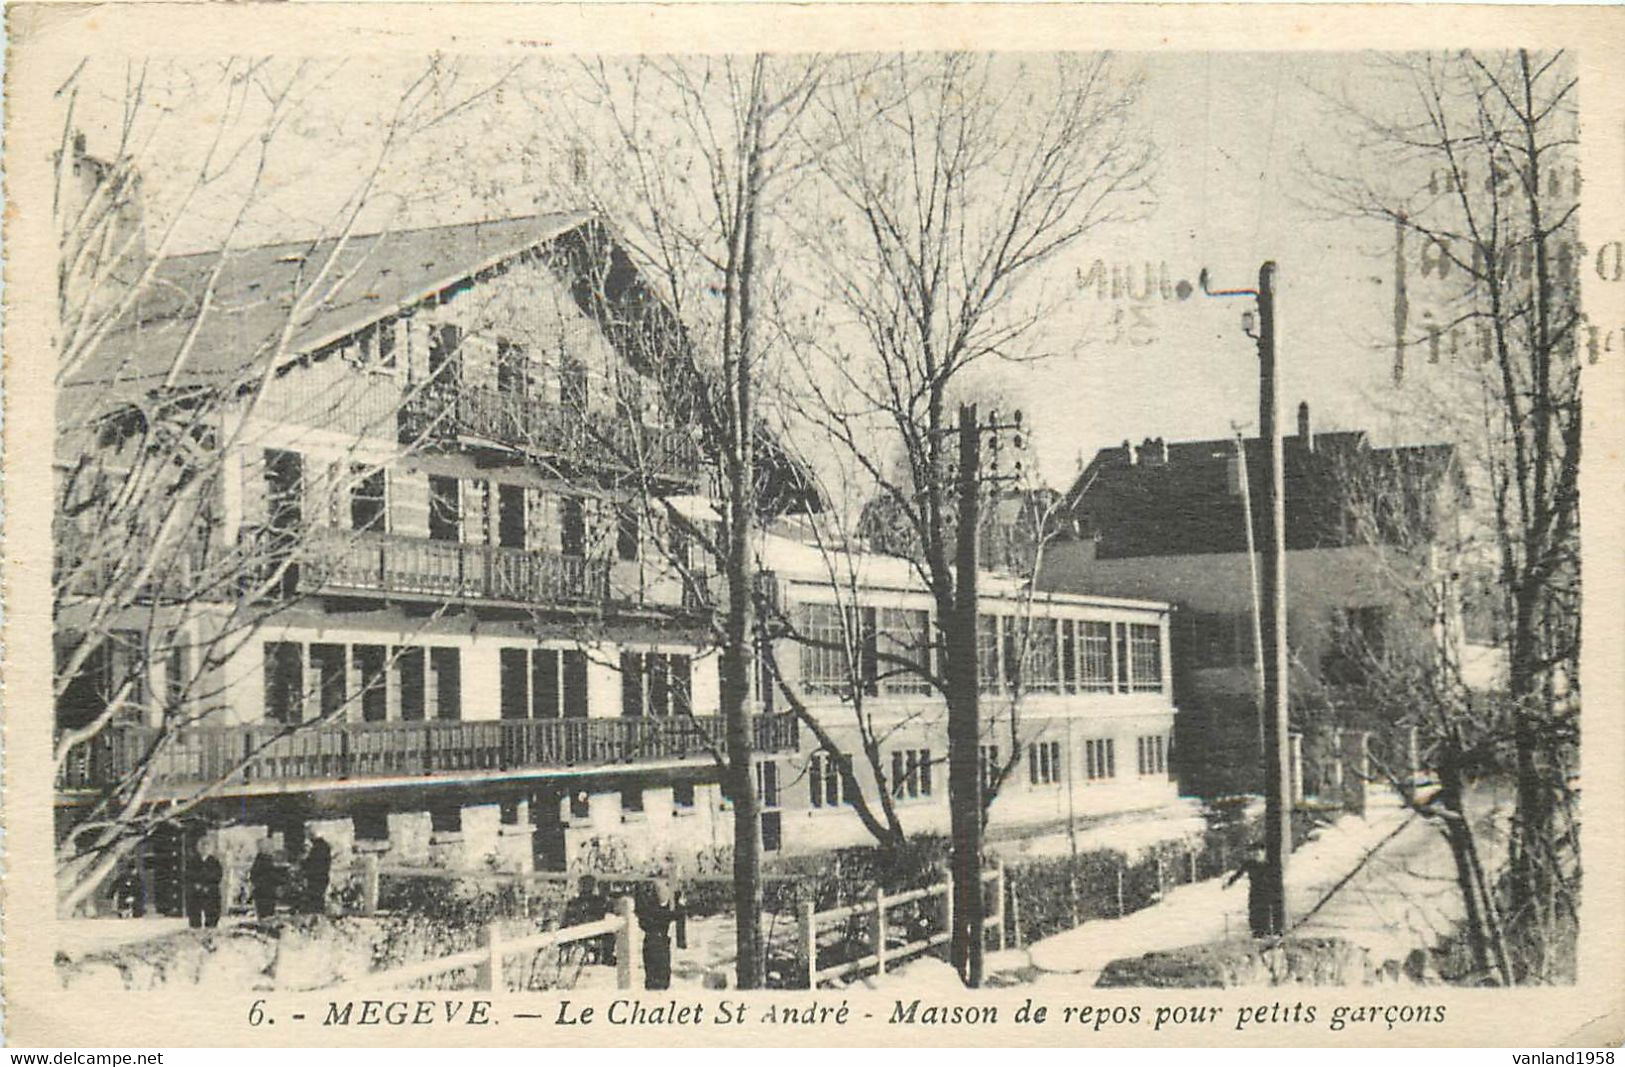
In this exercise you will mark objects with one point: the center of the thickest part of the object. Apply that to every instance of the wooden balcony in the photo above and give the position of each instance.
(339, 561)
(270, 757)
(601, 442)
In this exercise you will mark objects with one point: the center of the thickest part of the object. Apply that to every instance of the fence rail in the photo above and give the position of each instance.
(271, 752)
(809, 923)
(494, 948)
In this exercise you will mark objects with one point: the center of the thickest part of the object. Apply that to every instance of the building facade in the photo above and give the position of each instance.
(1169, 520)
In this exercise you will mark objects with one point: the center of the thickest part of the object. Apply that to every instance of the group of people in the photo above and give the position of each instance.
(272, 882)
(657, 907)
(303, 885)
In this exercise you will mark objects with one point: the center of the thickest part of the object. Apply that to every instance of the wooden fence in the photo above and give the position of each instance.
(493, 948)
(808, 923)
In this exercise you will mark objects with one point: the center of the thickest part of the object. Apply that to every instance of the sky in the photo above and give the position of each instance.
(1233, 133)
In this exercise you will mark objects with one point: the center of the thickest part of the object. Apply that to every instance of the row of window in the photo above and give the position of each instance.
(413, 683)
(870, 651)
(477, 511)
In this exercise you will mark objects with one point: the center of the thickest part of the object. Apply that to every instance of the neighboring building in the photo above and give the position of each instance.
(1167, 520)
(1085, 682)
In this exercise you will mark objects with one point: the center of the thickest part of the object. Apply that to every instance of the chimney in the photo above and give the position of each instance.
(1303, 427)
(1154, 452)
(1128, 451)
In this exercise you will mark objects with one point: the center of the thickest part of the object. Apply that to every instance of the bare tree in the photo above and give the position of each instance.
(948, 182)
(1477, 169)
(153, 598)
(685, 159)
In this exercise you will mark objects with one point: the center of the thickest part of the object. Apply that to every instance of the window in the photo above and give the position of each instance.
(369, 501)
(445, 683)
(511, 378)
(327, 664)
(1009, 628)
(1145, 653)
(388, 332)
(682, 797)
(373, 682)
(1120, 643)
(1044, 762)
(987, 652)
(911, 773)
(824, 666)
(572, 526)
(409, 683)
(631, 800)
(656, 684)
(177, 674)
(1043, 669)
(575, 684)
(1151, 755)
(1069, 655)
(905, 634)
(514, 697)
(580, 805)
(445, 509)
(445, 355)
(1100, 759)
(825, 788)
(284, 682)
(767, 783)
(510, 516)
(626, 533)
(1095, 657)
(508, 812)
(988, 760)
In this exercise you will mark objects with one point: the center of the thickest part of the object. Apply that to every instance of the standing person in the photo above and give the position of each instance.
(316, 869)
(203, 879)
(265, 879)
(1258, 907)
(656, 910)
(129, 895)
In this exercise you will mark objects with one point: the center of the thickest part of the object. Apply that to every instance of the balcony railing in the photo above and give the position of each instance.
(336, 560)
(270, 755)
(598, 441)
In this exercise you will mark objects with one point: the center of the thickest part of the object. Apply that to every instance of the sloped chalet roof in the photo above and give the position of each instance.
(240, 300)
(1138, 502)
(235, 305)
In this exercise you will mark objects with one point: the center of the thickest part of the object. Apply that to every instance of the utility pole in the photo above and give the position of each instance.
(1272, 619)
(964, 715)
(1277, 773)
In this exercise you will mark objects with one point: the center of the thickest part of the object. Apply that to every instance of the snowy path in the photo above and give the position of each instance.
(1400, 887)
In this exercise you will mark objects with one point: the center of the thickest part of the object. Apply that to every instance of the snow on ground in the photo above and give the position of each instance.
(82, 936)
(1209, 911)
(1132, 834)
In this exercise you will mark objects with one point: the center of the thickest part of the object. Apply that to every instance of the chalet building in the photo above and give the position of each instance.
(418, 612)
(1167, 520)
(1077, 701)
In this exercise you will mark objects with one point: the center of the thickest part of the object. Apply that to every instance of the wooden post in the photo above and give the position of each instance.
(947, 890)
(807, 940)
(1191, 855)
(1120, 890)
(625, 961)
(880, 931)
(369, 883)
(1015, 917)
(488, 975)
(1162, 879)
(999, 883)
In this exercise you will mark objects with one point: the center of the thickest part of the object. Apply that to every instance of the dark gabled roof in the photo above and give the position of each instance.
(1135, 502)
(248, 306)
